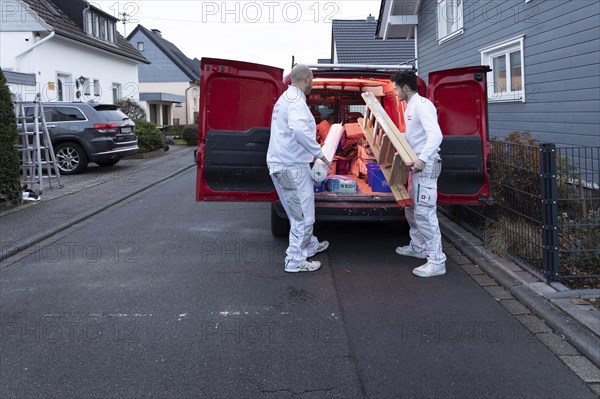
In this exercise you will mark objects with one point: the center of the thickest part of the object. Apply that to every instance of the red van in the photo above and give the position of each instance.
(236, 100)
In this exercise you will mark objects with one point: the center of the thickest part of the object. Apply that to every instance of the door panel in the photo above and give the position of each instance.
(460, 96)
(237, 165)
(462, 165)
(236, 101)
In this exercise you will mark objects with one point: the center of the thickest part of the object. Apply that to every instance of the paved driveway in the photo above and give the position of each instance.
(161, 296)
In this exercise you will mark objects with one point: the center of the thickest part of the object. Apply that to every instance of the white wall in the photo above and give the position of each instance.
(60, 55)
(11, 44)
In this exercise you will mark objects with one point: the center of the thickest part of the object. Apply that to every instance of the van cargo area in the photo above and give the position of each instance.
(338, 101)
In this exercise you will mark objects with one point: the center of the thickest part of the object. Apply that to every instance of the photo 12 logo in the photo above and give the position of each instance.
(75, 252)
(267, 11)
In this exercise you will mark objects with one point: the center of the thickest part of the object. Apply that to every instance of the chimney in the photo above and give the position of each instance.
(157, 32)
(370, 18)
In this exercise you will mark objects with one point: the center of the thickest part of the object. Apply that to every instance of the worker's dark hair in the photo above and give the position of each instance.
(405, 78)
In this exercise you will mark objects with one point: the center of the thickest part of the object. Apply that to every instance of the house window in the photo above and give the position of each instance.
(96, 31)
(450, 19)
(89, 22)
(97, 90)
(85, 83)
(100, 27)
(64, 87)
(60, 90)
(103, 29)
(110, 31)
(507, 78)
(140, 46)
(116, 92)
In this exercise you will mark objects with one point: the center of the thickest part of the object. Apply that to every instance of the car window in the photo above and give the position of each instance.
(49, 114)
(112, 114)
(70, 114)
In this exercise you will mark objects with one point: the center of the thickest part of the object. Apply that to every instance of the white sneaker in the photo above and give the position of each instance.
(430, 270)
(306, 266)
(323, 245)
(409, 251)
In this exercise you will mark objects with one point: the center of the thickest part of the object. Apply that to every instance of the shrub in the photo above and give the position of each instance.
(10, 189)
(190, 135)
(174, 130)
(131, 108)
(149, 137)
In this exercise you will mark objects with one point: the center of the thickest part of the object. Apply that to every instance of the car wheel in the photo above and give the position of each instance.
(70, 158)
(108, 163)
(280, 227)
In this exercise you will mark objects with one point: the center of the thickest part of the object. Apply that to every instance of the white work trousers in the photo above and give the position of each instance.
(296, 192)
(422, 218)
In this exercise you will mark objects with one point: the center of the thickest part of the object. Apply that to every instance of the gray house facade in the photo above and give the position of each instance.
(544, 55)
(169, 86)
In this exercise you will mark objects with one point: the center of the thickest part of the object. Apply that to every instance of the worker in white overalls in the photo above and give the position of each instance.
(292, 147)
(424, 135)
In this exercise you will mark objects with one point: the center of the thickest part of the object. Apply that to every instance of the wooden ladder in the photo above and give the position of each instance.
(390, 148)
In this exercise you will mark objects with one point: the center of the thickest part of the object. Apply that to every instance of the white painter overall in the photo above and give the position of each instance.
(424, 136)
(292, 146)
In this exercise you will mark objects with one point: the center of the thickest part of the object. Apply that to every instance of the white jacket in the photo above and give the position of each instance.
(422, 129)
(293, 132)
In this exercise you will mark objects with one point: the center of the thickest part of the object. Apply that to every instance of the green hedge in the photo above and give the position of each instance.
(173, 130)
(10, 187)
(149, 137)
(190, 135)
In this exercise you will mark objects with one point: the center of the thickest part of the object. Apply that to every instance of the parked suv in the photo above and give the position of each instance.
(237, 99)
(87, 132)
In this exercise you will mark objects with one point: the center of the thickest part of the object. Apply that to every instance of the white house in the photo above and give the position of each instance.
(66, 50)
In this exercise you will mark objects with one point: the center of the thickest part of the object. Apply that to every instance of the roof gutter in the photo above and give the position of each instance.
(50, 36)
(84, 14)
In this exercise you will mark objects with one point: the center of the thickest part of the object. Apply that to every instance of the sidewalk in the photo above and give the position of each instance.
(557, 316)
(570, 328)
(85, 195)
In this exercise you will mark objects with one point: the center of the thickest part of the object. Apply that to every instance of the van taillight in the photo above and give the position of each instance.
(104, 127)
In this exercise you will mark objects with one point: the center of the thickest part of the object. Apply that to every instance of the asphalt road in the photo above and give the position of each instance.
(165, 297)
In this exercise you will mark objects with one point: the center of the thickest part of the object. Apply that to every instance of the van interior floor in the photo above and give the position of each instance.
(363, 191)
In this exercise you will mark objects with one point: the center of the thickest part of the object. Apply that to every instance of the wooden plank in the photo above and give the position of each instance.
(397, 138)
(399, 172)
(389, 146)
(387, 152)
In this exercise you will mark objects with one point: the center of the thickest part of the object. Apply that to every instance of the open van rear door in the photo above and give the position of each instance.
(460, 96)
(236, 101)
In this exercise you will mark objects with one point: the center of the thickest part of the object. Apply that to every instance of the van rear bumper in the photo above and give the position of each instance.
(353, 211)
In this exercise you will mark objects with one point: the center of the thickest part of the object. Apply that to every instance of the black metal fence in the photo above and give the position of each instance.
(546, 215)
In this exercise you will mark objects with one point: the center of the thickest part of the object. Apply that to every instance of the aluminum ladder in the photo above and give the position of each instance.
(391, 150)
(36, 152)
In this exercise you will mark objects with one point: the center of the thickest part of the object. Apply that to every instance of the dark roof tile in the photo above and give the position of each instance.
(355, 43)
(52, 13)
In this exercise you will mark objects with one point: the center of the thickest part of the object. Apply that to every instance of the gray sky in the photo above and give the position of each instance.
(266, 32)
